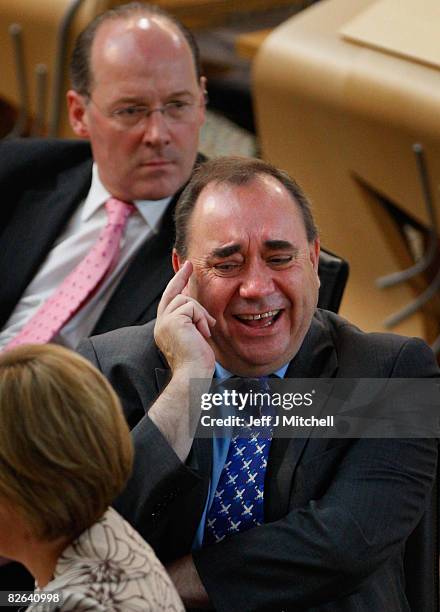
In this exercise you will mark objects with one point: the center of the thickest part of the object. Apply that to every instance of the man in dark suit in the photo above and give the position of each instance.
(336, 512)
(137, 96)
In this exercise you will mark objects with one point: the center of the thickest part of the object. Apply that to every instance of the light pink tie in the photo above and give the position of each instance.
(81, 283)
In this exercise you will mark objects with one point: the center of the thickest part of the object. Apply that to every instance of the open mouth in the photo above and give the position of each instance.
(261, 319)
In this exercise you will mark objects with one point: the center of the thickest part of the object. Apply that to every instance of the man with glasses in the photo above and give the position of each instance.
(105, 205)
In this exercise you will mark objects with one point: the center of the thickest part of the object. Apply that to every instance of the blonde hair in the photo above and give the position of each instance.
(65, 448)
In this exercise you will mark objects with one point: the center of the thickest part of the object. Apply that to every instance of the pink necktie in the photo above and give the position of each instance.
(81, 283)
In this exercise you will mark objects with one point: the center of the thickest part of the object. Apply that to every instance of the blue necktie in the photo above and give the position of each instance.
(238, 502)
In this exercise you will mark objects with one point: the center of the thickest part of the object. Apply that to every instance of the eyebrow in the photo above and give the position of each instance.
(272, 245)
(279, 245)
(226, 251)
(140, 99)
(183, 92)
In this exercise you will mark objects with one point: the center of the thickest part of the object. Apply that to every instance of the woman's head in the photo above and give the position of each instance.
(65, 448)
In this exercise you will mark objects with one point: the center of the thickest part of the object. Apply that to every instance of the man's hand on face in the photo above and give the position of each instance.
(181, 332)
(182, 329)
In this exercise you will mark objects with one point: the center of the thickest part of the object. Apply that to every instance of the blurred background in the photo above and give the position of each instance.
(343, 94)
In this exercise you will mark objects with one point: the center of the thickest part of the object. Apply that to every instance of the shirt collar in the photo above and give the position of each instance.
(222, 373)
(150, 210)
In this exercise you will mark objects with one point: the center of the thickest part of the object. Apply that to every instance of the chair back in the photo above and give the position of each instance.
(333, 274)
(34, 75)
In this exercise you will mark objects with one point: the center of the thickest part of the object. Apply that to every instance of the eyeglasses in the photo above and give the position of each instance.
(174, 112)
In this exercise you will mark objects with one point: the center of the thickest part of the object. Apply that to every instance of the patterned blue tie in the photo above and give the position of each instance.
(238, 502)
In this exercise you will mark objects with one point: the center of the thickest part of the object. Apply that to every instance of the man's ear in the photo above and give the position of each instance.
(314, 249)
(203, 85)
(177, 261)
(76, 106)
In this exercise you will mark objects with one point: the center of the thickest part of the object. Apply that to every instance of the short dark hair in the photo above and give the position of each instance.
(234, 170)
(80, 71)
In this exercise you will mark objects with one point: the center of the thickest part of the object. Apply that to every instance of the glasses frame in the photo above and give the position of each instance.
(146, 113)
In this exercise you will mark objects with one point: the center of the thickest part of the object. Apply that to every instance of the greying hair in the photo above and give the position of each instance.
(80, 71)
(234, 170)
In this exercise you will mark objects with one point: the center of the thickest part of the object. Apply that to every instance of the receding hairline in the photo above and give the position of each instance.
(162, 22)
(237, 182)
(246, 181)
(239, 171)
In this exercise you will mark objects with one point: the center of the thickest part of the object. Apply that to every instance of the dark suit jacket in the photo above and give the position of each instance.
(41, 184)
(338, 511)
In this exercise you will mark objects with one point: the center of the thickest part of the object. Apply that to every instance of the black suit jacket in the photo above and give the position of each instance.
(338, 512)
(41, 184)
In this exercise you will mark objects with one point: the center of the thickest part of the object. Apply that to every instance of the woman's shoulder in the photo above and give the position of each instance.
(110, 567)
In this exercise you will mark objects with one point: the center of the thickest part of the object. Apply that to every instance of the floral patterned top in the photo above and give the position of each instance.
(110, 568)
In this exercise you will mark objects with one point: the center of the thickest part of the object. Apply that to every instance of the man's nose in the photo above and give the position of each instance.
(156, 130)
(257, 282)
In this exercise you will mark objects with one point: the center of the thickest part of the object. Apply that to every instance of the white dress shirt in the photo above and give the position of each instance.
(71, 247)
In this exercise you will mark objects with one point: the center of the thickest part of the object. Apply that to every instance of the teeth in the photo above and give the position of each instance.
(264, 315)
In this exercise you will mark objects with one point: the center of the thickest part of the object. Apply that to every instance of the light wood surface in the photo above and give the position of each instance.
(207, 13)
(40, 23)
(247, 45)
(342, 118)
(409, 31)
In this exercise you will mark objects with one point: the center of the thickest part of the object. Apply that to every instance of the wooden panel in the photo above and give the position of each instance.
(40, 22)
(248, 44)
(407, 29)
(342, 119)
(208, 13)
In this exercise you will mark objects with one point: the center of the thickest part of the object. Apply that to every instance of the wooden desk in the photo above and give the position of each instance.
(247, 45)
(342, 118)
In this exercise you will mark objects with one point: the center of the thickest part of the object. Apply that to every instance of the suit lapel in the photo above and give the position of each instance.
(192, 504)
(316, 359)
(40, 217)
